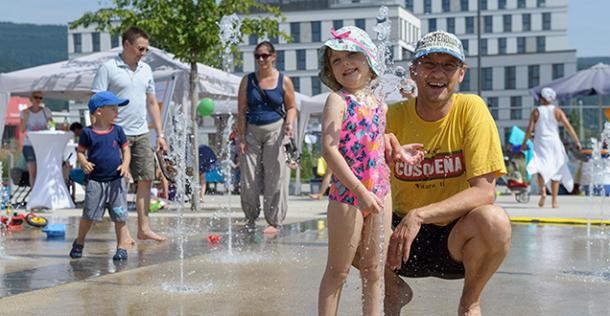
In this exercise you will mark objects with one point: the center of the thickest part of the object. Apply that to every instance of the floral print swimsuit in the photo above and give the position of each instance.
(362, 146)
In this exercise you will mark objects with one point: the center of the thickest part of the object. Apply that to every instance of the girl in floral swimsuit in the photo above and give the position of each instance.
(360, 208)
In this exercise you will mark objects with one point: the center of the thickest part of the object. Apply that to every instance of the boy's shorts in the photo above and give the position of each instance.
(111, 195)
(28, 153)
(429, 254)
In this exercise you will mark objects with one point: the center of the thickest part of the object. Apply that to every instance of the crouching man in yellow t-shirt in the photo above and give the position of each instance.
(445, 222)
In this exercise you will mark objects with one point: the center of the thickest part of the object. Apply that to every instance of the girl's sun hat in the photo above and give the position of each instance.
(351, 39)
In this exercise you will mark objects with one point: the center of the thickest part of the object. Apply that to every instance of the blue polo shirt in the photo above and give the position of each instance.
(115, 76)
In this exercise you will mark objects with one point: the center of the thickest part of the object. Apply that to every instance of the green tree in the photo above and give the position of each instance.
(188, 29)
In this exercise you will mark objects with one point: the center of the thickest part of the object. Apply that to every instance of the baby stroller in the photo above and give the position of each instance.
(515, 164)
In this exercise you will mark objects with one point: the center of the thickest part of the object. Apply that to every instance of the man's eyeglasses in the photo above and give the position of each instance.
(446, 67)
(263, 56)
(37, 97)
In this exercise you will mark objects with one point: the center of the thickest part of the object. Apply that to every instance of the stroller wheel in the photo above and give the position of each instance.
(522, 197)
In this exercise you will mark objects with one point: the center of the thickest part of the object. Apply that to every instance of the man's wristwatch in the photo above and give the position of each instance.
(161, 135)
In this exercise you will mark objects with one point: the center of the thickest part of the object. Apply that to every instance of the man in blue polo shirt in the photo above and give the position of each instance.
(130, 78)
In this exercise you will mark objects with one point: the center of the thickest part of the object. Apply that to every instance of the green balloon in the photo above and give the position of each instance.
(205, 107)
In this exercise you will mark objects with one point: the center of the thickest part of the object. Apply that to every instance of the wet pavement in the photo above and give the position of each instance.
(550, 270)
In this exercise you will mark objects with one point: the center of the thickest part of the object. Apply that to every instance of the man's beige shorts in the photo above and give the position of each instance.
(142, 166)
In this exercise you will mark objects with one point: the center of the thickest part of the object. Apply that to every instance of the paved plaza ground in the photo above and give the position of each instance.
(553, 268)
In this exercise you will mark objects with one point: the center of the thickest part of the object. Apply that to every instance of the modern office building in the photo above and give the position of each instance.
(523, 43)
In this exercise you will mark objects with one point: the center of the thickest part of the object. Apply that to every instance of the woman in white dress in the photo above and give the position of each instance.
(550, 161)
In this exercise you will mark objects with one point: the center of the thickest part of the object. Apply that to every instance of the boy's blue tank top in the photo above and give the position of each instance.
(259, 112)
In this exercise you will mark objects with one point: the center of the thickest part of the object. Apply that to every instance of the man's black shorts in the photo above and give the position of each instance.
(429, 253)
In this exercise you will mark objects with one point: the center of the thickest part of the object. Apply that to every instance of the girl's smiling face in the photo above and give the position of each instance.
(350, 69)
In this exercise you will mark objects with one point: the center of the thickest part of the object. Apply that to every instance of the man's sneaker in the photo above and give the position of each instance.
(120, 255)
(77, 250)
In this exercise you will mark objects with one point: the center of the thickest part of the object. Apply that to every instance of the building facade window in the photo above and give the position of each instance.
(507, 22)
(469, 25)
(546, 21)
(431, 25)
(465, 85)
(463, 5)
(510, 77)
(520, 4)
(541, 3)
(557, 71)
(239, 62)
(488, 24)
(465, 46)
(301, 59)
(526, 18)
(540, 44)
(533, 76)
(493, 105)
(409, 5)
(446, 6)
(515, 108)
(114, 40)
(427, 6)
(296, 83)
(252, 39)
(502, 45)
(521, 45)
(273, 40)
(337, 24)
(315, 85)
(487, 78)
(483, 4)
(77, 38)
(451, 25)
(295, 31)
(316, 31)
(483, 46)
(280, 61)
(95, 41)
(360, 23)
(501, 4)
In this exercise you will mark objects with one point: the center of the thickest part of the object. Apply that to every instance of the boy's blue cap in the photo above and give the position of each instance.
(105, 98)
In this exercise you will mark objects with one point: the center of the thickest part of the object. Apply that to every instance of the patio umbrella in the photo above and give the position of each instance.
(590, 81)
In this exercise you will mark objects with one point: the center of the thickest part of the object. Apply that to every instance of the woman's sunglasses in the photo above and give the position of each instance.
(37, 98)
(263, 56)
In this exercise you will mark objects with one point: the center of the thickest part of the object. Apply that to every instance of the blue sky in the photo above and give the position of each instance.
(588, 20)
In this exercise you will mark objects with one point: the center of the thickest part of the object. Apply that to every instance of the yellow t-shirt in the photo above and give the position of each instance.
(462, 145)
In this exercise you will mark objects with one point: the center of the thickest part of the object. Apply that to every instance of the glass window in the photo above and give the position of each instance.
(465, 46)
(515, 108)
(301, 59)
(493, 105)
(533, 76)
(521, 4)
(280, 61)
(469, 25)
(487, 78)
(114, 40)
(296, 83)
(557, 71)
(502, 45)
(78, 42)
(540, 44)
(409, 5)
(520, 45)
(501, 4)
(465, 85)
(446, 6)
(95, 40)
(483, 4)
(488, 24)
(541, 3)
(337, 24)
(273, 40)
(483, 46)
(510, 77)
(508, 22)
(451, 25)
(315, 85)
(360, 23)
(295, 31)
(239, 62)
(427, 6)
(463, 5)
(546, 21)
(527, 21)
(316, 33)
(431, 25)
(252, 39)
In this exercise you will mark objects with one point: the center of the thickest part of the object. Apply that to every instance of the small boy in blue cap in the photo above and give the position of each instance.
(104, 154)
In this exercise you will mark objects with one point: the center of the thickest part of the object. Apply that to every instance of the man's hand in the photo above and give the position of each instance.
(288, 129)
(161, 144)
(402, 238)
(242, 146)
